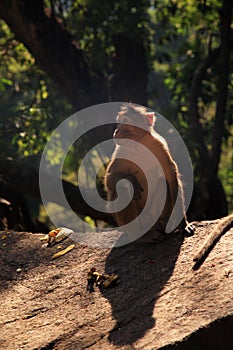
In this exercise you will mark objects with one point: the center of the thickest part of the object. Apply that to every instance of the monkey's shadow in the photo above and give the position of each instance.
(143, 269)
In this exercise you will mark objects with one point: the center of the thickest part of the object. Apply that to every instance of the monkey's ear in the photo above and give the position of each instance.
(150, 117)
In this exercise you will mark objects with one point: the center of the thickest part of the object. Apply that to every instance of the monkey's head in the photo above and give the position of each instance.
(134, 122)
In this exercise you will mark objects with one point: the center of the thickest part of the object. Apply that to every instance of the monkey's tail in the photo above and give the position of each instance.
(222, 227)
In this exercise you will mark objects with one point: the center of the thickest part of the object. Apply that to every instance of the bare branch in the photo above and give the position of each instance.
(26, 180)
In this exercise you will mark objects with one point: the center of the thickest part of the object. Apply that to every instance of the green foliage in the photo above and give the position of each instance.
(99, 22)
(185, 33)
(30, 106)
(32, 122)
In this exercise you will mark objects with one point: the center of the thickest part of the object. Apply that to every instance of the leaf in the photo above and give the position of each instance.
(6, 81)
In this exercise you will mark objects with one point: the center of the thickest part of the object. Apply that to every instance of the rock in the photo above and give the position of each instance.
(161, 303)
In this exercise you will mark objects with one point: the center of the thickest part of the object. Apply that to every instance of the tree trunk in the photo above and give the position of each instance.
(55, 51)
(210, 199)
(225, 53)
(128, 82)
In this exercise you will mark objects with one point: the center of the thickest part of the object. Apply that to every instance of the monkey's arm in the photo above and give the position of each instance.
(113, 178)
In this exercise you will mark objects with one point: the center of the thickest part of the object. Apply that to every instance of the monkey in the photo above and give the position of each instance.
(135, 123)
(222, 227)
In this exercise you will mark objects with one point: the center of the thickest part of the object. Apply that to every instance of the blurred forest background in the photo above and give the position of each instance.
(58, 57)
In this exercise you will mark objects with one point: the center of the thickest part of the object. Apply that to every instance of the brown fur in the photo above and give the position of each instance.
(120, 168)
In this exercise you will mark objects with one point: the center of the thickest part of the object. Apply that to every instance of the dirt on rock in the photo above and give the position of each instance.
(160, 303)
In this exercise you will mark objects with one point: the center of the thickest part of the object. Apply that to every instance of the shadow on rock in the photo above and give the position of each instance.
(143, 270)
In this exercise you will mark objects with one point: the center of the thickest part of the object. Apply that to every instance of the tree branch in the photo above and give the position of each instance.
(49, 41)
(25, 179)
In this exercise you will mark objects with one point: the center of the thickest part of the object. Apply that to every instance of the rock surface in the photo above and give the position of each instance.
(161, 303)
